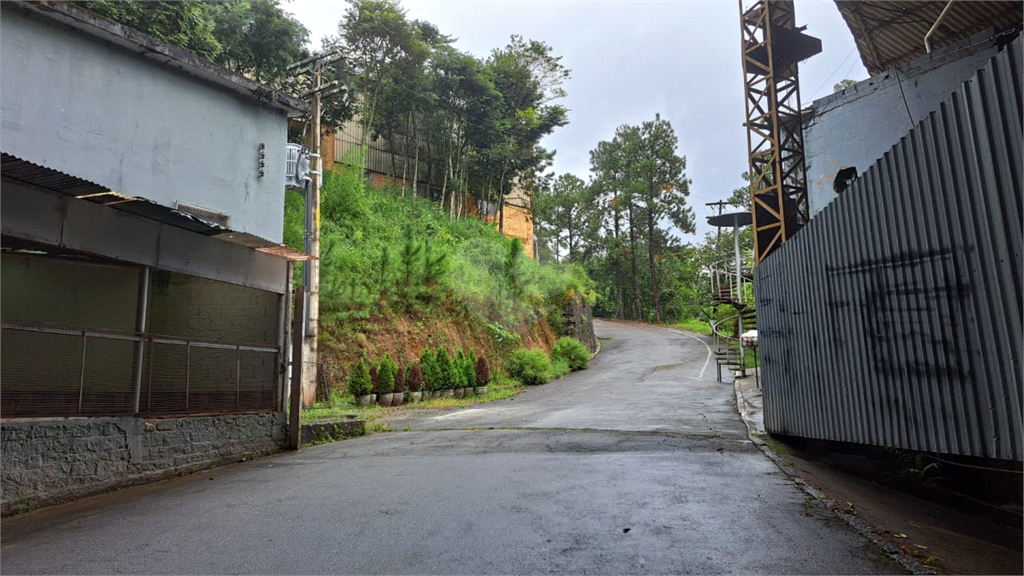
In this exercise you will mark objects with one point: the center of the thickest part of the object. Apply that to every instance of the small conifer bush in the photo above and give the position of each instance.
(359, 381)
(428, 368)
(386, 375)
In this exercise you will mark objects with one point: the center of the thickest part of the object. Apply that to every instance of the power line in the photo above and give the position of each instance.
(818, 89)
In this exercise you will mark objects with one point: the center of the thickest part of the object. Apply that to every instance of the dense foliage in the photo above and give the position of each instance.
(253, 37)
(531, 367)
(385, 254)
(575, 354)
(467, 125)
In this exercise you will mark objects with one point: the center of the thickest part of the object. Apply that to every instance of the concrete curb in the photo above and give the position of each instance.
(906, 561)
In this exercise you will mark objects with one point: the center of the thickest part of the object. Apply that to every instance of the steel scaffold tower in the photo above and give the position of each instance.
(772, 46)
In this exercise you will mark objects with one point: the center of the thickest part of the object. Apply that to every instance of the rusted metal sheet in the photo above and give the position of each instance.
(895, 317)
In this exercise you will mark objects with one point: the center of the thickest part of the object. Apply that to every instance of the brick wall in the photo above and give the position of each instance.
(48, 461)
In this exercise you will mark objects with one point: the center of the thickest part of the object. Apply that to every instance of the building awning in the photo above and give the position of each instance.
(889, 33)
(24, 172)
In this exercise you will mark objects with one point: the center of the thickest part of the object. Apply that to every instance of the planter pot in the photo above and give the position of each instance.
(458, 392)
(415, 396)
(480, 390)
(384, 399)
(364, 400)
(447, 393)
(398, 398)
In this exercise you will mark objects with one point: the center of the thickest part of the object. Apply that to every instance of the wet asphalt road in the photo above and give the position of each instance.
(639, 464)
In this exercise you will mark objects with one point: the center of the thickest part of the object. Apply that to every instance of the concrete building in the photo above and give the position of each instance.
(145, 290)
(893, 317)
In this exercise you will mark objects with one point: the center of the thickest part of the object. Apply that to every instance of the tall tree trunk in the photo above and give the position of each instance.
(619, 312)
(501, 200)
(650, 260)
(632, 258)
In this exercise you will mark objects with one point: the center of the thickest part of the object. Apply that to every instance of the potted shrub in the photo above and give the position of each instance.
(359, 384)
(469, 372)
(414, 381)
(385, 382)
(459, 384)
(428, 369)
(400, 386)
(443, 369)
(483, 374)
(385, 379)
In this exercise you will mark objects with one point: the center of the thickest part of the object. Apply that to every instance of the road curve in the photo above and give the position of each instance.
(638, 464)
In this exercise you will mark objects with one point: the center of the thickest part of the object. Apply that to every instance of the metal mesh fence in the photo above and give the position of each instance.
(52, 371)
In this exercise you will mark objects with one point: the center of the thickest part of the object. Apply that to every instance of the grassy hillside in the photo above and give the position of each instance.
(399, 275)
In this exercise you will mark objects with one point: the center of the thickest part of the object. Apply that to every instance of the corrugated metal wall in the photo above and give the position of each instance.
(895, 317)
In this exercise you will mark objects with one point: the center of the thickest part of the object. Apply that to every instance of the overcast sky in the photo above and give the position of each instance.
(631, 60)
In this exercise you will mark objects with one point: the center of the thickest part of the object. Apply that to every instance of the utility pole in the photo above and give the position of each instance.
(309, 340)
(311, 274)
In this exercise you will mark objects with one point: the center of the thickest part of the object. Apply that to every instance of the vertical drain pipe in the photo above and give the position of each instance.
(142, 310)
(928, 36)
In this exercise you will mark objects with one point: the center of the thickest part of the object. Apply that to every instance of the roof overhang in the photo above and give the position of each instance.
(172, 56)
(24, 172)
(890, 33)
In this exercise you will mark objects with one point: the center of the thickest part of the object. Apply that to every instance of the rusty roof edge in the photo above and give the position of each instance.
(164, 53)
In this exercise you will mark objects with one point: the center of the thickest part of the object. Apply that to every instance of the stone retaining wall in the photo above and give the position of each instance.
(46, 461)
(579, 320)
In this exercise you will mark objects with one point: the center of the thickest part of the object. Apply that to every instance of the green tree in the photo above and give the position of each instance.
(565, 209)
(252, 37)
(186, 24)
(843, 85)
(258, 37)
(378, 41)
(529, 77)
(608, 163)
(656, 173)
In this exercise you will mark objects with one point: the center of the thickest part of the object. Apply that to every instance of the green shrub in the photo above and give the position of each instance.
(428, 367)
(559, 367)
(359, 381)
(531, 367)
(572, 351)
(446, 373)
(469, 369)
(386, 375)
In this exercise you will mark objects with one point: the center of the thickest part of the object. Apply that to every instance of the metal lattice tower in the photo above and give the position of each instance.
(772, 46)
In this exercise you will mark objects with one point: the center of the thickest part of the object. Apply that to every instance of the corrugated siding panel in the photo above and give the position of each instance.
(895, 317)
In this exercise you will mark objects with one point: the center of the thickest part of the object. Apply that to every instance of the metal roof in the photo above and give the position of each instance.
(889, 33)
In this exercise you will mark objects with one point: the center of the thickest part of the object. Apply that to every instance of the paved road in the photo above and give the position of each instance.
(636, 465)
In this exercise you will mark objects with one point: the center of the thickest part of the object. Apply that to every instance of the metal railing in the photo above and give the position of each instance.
(724, 281)
(51, 370)
(728, 286)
